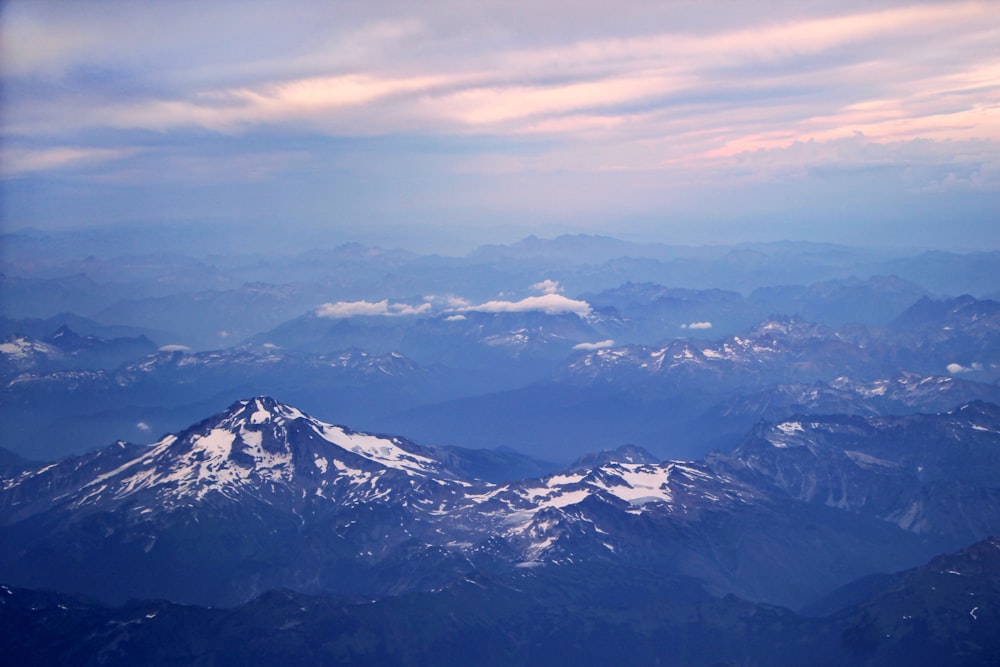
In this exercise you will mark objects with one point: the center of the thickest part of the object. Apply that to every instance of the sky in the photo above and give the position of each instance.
(445, 124)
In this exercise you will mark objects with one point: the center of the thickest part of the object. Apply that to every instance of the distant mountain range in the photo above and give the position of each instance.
(508, 379)
(217, 299)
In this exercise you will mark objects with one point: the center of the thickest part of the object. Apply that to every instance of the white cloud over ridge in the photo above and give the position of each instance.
(550, 304)
(599, 345)
(345, 309)
(697, 325)
(956, 368)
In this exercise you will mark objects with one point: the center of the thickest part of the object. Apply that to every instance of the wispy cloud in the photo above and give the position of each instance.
(17, 161)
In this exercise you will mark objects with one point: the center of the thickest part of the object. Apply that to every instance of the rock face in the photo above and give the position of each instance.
(929, 474)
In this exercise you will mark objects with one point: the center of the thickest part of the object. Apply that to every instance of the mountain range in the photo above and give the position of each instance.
(614, 453)
(467, 378)
(263, 497)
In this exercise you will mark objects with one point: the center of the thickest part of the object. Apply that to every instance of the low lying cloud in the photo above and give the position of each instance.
(551, 304)
(175, 348)
(600, 345)
(955, 368)
(697, 325)
(548, 287)
(342, 309)
(454, 318)
(143, 426)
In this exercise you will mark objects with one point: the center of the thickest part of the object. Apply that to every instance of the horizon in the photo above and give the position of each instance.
(147, 240)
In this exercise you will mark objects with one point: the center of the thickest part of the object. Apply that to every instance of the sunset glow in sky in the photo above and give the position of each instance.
(694, 122)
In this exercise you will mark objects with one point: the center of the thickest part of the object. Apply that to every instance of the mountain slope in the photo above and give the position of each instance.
(255, 497)
(929, 474)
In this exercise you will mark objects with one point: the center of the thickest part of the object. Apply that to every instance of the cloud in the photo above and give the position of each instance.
(697, 325)
(728, 88)
(455, 318)
(548, 287)
(174, 348)
(600, 345)
(551, 304)
(343, 309)
(143, 426)
(18, 161)
(353, 308)
(956, 368)
(561, 114)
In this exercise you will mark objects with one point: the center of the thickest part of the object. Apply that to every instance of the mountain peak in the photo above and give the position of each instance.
(261, 410)
(260, 448)
(255, 430)
(624, 454)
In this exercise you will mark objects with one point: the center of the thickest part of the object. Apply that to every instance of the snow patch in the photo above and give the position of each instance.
(380, 450)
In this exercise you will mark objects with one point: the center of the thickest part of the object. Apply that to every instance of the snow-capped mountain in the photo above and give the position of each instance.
(958, 336)
(258, 448)
(338, 503)
(21, 353)
(900, 394)
(64, 349)
(781, 348)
